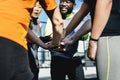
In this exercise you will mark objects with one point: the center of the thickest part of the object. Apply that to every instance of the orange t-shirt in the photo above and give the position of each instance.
(14, 19)
(48, 4)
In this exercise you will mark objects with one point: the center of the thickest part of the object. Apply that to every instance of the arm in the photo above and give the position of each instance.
(56, 19)
(86, 27)
(32, 37)
(57, 23)
(103, 8)
(83, 11)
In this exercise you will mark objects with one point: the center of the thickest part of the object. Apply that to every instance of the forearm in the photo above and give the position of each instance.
(83, 11)
(32, 37)
(56, 19)
(103, 8)
(57, 24)
(86, 27)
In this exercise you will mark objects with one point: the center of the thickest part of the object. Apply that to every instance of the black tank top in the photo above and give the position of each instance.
(113, 25)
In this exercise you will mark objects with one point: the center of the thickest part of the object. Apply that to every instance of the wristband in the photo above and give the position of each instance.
(92, 39)
(55, 44)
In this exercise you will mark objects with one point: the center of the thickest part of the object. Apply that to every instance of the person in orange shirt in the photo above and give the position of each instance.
(14, 20)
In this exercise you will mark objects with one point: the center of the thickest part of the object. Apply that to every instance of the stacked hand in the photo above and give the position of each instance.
(67, 41)
(61, 45)
(57, 47)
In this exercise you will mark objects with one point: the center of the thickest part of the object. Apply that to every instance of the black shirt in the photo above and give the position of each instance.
(113, 25)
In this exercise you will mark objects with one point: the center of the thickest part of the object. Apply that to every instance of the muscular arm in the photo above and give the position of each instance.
(56, 19)
(83, 11)
(57, 24)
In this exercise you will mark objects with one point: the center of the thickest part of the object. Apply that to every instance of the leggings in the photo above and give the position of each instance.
(108, 58)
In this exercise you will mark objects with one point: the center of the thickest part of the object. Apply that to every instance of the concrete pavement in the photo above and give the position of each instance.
(89, 72)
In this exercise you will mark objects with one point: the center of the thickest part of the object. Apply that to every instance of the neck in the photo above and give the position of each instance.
(34, 20)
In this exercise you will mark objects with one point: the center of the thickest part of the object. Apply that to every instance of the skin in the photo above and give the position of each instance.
(102, 12)
(57, 24)
(66, 7)
(36, 10)
(86, 27)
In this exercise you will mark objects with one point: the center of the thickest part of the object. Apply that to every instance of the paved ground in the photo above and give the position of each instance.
(44, 74)
(90, 73)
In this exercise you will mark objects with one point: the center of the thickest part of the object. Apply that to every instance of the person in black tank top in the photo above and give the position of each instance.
(105, 36)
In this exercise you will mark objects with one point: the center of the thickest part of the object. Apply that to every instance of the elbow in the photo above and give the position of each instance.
(59, 23)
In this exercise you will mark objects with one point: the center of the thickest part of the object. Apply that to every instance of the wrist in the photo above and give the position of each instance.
(93, 39)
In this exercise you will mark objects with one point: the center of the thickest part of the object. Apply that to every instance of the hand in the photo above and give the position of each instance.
(59, 47)
(67, 41)
(92, 49)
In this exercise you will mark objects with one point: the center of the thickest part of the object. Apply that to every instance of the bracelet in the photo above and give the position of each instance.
(55, 44)
(94, 39)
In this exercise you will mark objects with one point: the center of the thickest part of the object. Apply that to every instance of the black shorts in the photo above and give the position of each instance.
(14, 63)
